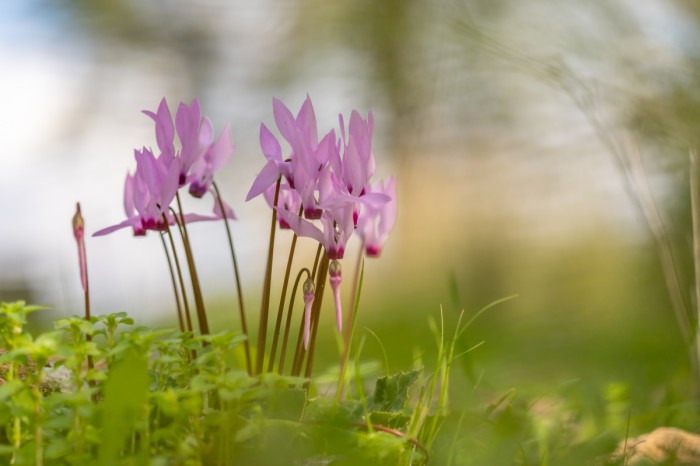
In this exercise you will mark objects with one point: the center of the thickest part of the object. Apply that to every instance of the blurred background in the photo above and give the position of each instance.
(540, 148)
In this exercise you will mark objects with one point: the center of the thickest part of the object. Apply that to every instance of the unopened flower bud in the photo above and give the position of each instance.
(309, 292)
(78, 224)
(79, 233)
(335, 272)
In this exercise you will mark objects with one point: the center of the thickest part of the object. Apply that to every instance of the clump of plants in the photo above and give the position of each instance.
(100, 390)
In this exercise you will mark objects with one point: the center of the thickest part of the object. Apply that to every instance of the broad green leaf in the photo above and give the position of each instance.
(391, 392)
(327, 411)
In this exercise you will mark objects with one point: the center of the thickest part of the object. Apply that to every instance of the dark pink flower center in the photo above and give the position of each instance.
(312, 213)
(373, 250)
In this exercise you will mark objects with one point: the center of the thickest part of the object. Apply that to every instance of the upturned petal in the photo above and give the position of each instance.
(267, 177)
(286, 124)
(269, 144)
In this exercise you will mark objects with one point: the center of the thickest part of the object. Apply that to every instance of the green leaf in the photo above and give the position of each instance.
(393, 420)
(327, 411)
(125, 395)
(391, 392)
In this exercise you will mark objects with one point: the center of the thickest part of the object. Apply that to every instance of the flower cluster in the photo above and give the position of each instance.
(323, 187)
(150, 190)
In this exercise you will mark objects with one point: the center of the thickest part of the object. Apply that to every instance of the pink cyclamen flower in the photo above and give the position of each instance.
(302, 169)
(273, 169)
(215, 157)
(375, 224)
(337, 228)
(79, 234)
(309, 292)
(199, 155)
(288, 200)
(148, 194)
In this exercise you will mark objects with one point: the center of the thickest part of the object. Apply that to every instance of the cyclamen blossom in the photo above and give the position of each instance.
(148, 193)
(375, 224)
(200, 156)
(308, 156)
(288, 199)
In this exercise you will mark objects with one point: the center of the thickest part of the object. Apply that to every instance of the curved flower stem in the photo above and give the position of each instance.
(300, 351)
(237, 275)
(316, 312)
(198, 300)
(396, 433)
(288, 324)
(283, 296)
(265, 306)
(172, 279)
(179, 275)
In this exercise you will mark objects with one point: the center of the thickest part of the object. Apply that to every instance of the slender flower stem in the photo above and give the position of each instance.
(318, 255)
(350, 326)
(353, 297)
(288, 324)
(79, 233)
(179, 275)
(265, 307)
(316, 312)
(237, 275)
(172, 279)
(300, 351)
(198, 300)
(280, 309)
(283, 296)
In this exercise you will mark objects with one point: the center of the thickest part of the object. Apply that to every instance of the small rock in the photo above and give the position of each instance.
(665, 445)
(57, 379)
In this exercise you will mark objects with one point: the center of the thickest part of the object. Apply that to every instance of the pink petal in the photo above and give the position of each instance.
(301, 226)
(126, 223)
(221, 151)
(206, 132)
(267, 177)
(164, 127)
(227, 208)
(306, 119)
(284, 120)
(269, 144)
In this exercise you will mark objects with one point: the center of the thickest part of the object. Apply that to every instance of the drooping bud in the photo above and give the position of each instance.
(309, 292)
(335, 273)
(79, 234)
